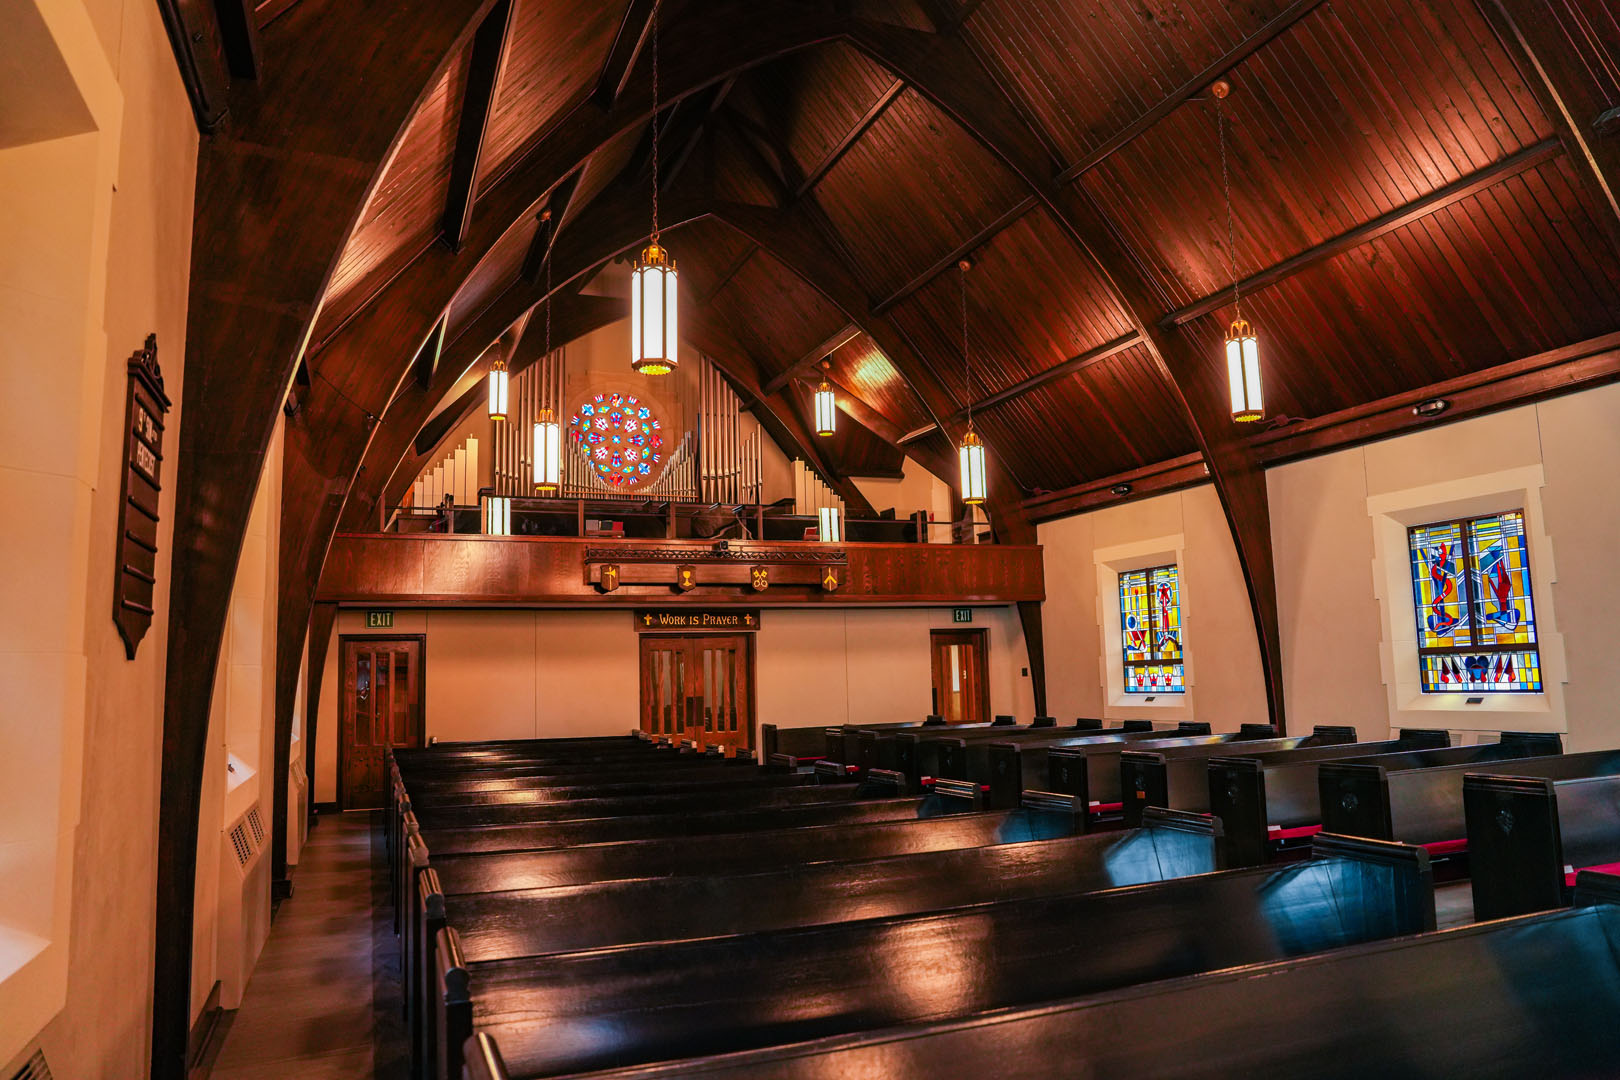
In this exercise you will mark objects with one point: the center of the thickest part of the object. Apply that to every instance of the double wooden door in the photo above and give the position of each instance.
(381, 710)
(960, 663)
(698, 687)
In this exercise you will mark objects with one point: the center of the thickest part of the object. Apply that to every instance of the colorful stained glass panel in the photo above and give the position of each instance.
(1475, 615)
(1150, 630)
(620, 438)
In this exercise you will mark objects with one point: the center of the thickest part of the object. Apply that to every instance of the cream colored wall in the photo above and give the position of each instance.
(111, 210)
(917, 489)
(1333, 626)
(1223, 662)
(547, 674)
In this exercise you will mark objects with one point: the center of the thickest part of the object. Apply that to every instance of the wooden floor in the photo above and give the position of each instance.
(324, 999)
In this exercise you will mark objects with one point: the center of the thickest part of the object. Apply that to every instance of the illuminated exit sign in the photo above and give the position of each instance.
(379, 620)
(962, 614)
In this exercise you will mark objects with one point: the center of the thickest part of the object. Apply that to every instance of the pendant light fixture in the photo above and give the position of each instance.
(1242, 347)
(500, 385)
(826, 408)
(498, 515)
(828, 527)
(654, 327)
(971, 451)
(547, 432)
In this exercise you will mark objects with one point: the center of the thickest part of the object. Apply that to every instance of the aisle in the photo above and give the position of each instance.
(323, 1002)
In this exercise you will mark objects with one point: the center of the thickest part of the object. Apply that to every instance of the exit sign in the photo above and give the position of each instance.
(379, 620)
(962, 614)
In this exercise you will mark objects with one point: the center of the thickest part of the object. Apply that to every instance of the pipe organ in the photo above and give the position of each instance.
(810, 493)
(730, 461)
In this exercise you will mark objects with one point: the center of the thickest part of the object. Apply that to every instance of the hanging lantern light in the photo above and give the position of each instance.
(970, 454)
(1242, 347)
(500, 386)
(654, 304)
(827, 525)
(498, 515)
(547, 432)
(826, 409)
(547, 453)
(1243, 372)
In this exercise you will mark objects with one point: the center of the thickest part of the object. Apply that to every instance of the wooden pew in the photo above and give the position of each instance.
(604, 786)
(500, 925)
(1092, 772)
(1529, 837)
(552, 1014)
(917, 756)
(1180, 778)
(1425, 806)
(1531, 996)
(959, 759)
(1268, 805)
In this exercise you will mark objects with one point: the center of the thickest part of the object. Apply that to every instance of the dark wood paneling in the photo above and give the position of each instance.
(861, 367)
(798, 316)
(543, 571)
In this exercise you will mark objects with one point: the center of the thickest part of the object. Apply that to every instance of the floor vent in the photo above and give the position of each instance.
(255, 825)
(243, 846)
(34, 1069)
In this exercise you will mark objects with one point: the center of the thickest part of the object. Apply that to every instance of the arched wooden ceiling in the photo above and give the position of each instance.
(1425, 195)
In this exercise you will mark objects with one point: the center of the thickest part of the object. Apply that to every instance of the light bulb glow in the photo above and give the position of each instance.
(654, 313)
(970, 456)
(1243, 373)
(826, 410)
(500, 385)
(498, 516)
(828, 525)
(547, 454)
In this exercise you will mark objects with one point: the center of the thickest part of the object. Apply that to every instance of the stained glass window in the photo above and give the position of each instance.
(1476, 621)
(1150, 629)
(619, 436)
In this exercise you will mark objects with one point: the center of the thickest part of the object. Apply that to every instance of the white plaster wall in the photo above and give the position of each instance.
(548, 674)
(917, 489)
(1223, 660)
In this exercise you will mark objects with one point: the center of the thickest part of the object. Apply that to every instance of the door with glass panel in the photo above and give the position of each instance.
(960, 663)
(381, 710)
(698, 687)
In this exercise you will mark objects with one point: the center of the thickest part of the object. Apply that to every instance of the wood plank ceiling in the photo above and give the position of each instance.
(1403, 206)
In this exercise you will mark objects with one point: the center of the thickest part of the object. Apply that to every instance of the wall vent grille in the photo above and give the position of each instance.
(255, 825)
(34, 1069)
(239, 841)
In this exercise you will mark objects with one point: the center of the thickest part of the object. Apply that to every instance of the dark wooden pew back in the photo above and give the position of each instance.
(1528, 836)
(711, 995)
(1534, 996)
(1425, 806)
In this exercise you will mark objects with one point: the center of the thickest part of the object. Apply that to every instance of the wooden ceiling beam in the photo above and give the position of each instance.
(628, 41)
(1459, 189)
(837, 340)
(1555, 73)
(950, 259)
(885, 429)
(851, 137)
(951, 76)
(1273, 29)
(489, 49)
(1057, 371)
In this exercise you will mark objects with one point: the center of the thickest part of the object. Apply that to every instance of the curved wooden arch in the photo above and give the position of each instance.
(278, 191)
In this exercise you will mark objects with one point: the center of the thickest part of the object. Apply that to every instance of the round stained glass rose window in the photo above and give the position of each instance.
(619, 436)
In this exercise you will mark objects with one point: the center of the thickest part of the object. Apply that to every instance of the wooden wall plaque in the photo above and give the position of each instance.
(135, 582)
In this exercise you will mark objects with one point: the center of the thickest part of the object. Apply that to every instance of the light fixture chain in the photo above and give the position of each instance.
(656, 6)
(967, 360)
(552, 243)
(1226, 189)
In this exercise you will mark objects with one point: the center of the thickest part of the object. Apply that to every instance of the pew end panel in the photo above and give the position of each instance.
(1006, 776)
(883, 784)
(1426, 738)
(952, 759)
(1143, 782)
(958, 796)
(452, 1005)
(1237, 799)
(1355, 800)
(483, 1059)
(1131, 725)
(835, 772)
(417, 977)
(1593, 887)
(1256, 731)
(1399, 874)
(1515, 853)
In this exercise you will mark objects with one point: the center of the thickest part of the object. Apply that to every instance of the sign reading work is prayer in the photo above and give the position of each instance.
(698, 619)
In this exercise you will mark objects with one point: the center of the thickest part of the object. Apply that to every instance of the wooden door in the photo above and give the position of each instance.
(698, 687)
(381, 709)
(961, 665)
